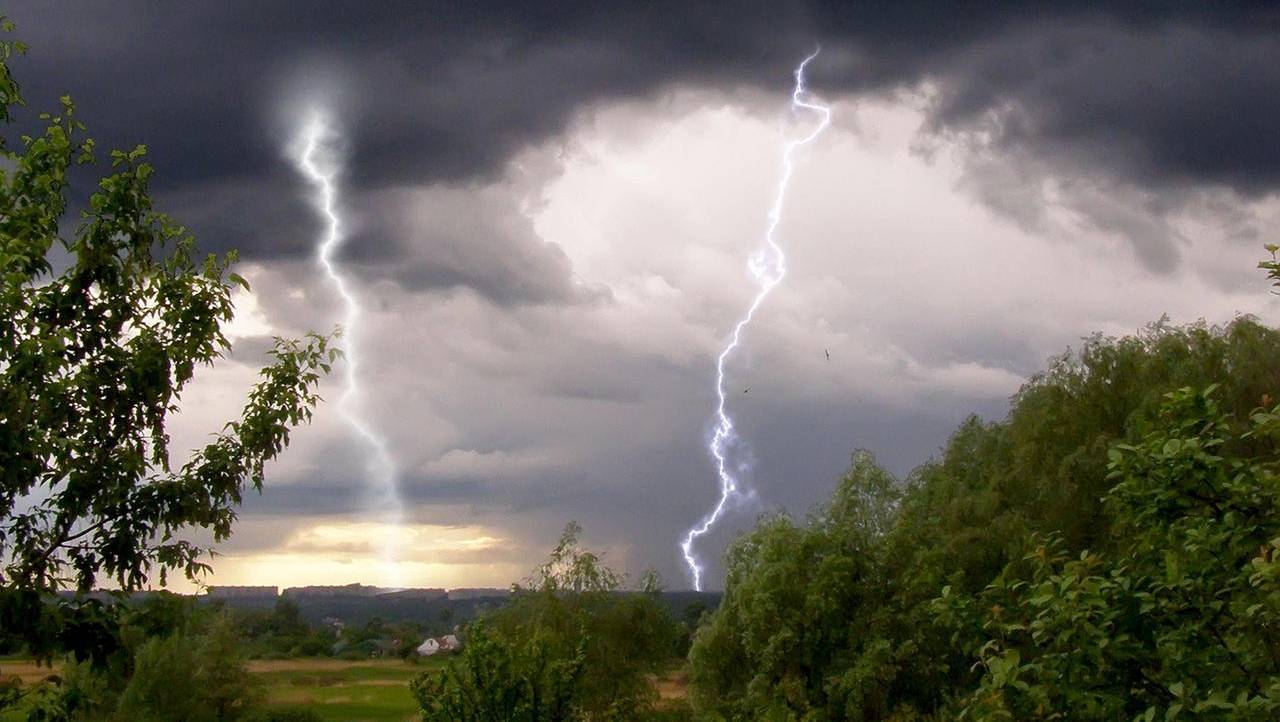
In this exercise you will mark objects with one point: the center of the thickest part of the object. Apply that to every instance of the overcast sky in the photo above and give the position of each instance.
(551, 212)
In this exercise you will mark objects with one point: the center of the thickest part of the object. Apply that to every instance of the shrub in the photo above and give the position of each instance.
(571, 644)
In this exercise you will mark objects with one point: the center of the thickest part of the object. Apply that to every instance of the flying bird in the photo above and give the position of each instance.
(828, 353)
(746, 389)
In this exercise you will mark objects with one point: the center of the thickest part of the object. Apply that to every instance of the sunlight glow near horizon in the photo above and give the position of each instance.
(332, 552)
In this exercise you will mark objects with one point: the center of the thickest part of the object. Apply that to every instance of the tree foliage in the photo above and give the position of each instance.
(498, 679)
(200, 678)
(1180, 620)
(176, 660)
(101, 330)
(571, 644)
(1101, 553)
(799, 603)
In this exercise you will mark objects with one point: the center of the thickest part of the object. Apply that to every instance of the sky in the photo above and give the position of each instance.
(551, 207)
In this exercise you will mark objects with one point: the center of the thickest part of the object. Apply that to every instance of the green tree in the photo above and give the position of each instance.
(575, 605)
(189, 677)
(193, 671)
(100, 332)
(1180, 619)
(800, 601)
(1044, 471)
(959, 522)
(571, 644)
(497, 679)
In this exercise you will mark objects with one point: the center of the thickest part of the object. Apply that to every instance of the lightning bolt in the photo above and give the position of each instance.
(316, 161)
(768, 266)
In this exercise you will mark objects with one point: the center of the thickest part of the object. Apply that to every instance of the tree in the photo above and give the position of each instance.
(190, 670)
(800, 601)
(497, 679)
(1181, 618)
(100, 333)
(1272, 266)
(897, 648)
(569, 645)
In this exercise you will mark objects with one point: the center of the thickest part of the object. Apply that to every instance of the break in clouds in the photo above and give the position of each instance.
(552, 211)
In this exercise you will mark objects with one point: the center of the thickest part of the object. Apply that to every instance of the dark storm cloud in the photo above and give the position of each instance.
(337, 494)
(425, 94)
(1131, 108)
(1168, 94)
(1165, 103)
(269, 208)
(461, 238)
(441, 94)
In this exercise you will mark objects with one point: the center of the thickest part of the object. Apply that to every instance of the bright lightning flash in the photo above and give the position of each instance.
(316, 160)
(767, 265)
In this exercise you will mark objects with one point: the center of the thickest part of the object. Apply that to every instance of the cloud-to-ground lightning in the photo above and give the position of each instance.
(768, 266)
(316, 160)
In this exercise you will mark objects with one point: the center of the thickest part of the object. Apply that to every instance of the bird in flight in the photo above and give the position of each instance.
(828, 353)
(746, 389)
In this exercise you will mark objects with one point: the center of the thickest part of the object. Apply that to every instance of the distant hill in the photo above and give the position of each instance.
(426, 607)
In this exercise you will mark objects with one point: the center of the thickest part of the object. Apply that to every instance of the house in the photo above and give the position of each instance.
(335, 624)
(432, 645)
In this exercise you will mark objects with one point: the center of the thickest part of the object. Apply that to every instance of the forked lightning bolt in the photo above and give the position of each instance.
(316, 161)
(767, 265)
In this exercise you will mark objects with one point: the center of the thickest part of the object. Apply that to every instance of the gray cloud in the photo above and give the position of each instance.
(1180, 95)
(529, 368)
(476, 238)
(1164, 103)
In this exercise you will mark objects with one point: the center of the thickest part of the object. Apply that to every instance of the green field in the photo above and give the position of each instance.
(376, 690)
(347, 691)
(340, 691)
(365, 691)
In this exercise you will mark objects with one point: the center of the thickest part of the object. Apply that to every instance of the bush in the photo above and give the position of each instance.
(572, 644)
(1106, 551)
(799, 603)
(496, 679)
(1180, 619)
(190, 678)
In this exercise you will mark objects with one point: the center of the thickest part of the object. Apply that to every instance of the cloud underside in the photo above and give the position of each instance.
(1093, 95)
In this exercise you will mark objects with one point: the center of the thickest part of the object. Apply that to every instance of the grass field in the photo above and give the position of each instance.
(348, 691)
(364, 691)
(340, 691)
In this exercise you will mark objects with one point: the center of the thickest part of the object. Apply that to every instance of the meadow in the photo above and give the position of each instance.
(378, 690)
(374, 690)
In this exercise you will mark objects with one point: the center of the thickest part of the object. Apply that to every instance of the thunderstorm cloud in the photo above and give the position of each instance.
(552, 204)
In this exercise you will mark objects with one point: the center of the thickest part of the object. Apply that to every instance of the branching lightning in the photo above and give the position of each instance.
(768, 266)
(316, 161)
